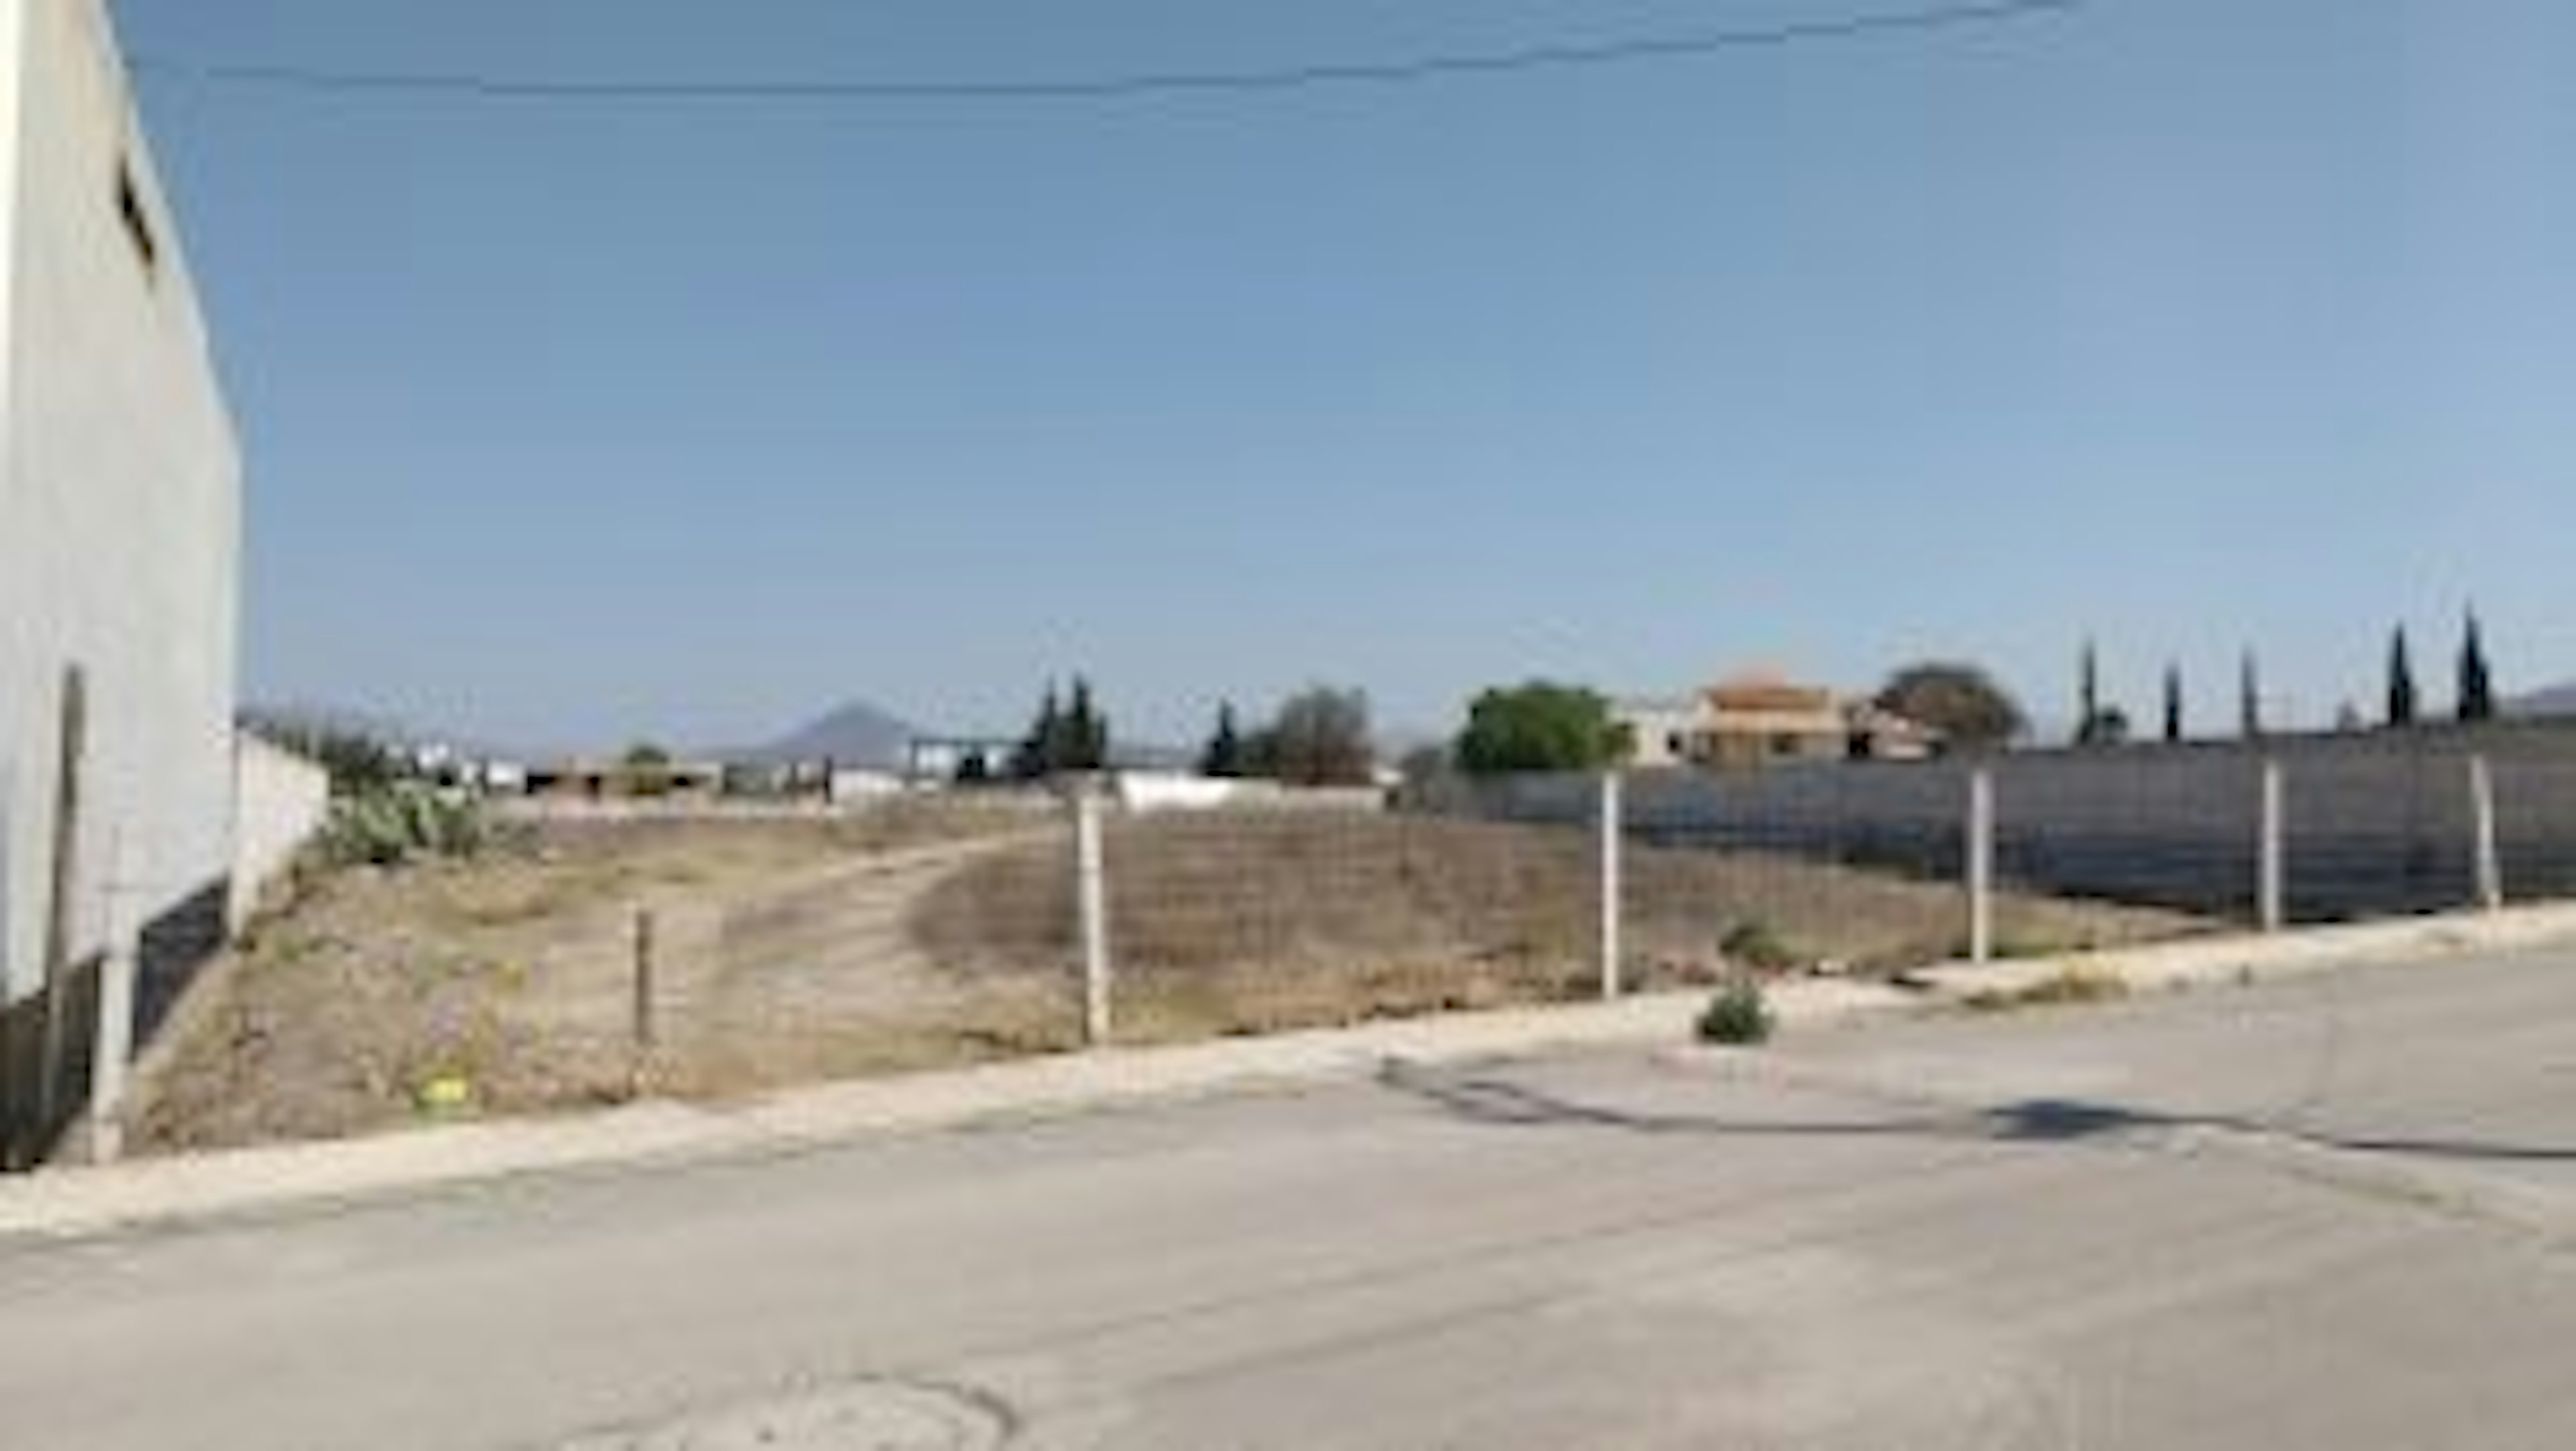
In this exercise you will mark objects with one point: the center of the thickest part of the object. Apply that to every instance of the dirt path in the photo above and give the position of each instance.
(782, 954)
(823, 975)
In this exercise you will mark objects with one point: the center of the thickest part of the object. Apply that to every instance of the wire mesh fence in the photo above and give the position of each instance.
(1251, 918)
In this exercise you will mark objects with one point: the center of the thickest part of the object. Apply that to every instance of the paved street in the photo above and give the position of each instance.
(2323, 1213)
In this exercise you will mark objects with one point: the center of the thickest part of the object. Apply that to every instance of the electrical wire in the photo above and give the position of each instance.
(491, 87)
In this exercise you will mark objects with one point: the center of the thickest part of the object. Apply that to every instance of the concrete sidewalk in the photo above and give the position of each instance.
(85, 1201)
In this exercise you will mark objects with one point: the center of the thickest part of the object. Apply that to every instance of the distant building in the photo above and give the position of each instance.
(1763, 719)
(1664, 732)
(849, 785)
(938, 760)
(618, 780)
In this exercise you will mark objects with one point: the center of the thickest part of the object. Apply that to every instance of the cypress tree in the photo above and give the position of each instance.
(2088, 703)
(2173, 704)
(2477, 686)
(2249, 699)
(2401, 683)
(1223, 758)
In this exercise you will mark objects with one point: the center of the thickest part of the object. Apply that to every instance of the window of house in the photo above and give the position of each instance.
(138, 221)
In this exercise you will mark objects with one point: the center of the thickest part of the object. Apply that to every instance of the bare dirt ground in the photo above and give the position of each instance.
(795, 951)
(512, 974)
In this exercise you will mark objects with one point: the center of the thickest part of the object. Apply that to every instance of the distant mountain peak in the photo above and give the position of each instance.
(857, 733)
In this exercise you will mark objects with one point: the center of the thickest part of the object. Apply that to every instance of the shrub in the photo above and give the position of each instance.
(1737, 1015)
(398, 824)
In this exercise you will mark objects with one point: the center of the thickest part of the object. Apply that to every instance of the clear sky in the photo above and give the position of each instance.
(2191, 324)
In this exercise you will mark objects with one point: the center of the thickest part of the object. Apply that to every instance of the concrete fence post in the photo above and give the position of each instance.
(1981, 865)
(1091, 894)
(2490, 862)
(1612, 892)
(2271, 869)
(648, 1032)
(112, 1051)
(61, 950)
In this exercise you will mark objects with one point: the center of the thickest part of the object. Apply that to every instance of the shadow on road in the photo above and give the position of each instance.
(1497, 1101)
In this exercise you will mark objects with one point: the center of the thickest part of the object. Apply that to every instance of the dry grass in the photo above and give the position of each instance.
(795, 951)
(1251, 922)
(2073, 986)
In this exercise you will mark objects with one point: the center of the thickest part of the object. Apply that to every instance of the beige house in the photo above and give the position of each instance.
(1758, 719)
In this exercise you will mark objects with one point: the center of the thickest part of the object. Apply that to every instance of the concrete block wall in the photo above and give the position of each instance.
(2375, 824)
(280, 801)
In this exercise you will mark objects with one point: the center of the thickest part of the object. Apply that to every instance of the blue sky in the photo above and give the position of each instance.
(2189, 324)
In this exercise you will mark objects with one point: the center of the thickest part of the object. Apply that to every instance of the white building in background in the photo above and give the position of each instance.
(119, 514)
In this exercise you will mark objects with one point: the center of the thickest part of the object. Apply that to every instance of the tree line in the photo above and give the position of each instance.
(1322, 735)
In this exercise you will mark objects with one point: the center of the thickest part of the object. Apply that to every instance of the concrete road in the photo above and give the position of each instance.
(2319, 1214)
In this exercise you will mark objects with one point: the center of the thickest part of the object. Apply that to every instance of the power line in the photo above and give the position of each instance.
(479, 86)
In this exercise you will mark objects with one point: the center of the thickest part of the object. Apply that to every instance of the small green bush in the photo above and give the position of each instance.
(393, 825)
(1737, 1015)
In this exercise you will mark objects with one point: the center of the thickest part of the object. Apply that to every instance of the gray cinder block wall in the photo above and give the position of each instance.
(2375, 823)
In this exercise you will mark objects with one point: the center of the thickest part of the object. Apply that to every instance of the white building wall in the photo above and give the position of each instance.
(119, 499)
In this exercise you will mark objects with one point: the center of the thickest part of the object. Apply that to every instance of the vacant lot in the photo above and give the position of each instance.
(512, 975)
(1257, 921)
(917, 936)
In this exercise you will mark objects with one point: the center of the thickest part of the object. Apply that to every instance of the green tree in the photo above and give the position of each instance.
(1321, 738)
(2092, 718)
(2401, 683)
(1225, 758)
(1085, 744)
(1540, 726)
(2477, 685)
(2173, 704)
(2249, 699)
(646, 769)
(1960, 701)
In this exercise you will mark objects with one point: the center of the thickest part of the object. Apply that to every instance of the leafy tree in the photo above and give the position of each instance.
(646, 769)
(1960, 701)
(1225, 757)
(1321, 738)
(974, 768)
(2401, 683)
(2477, 685)
(1540, 726)
(2111, 727)
(2173, 704)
